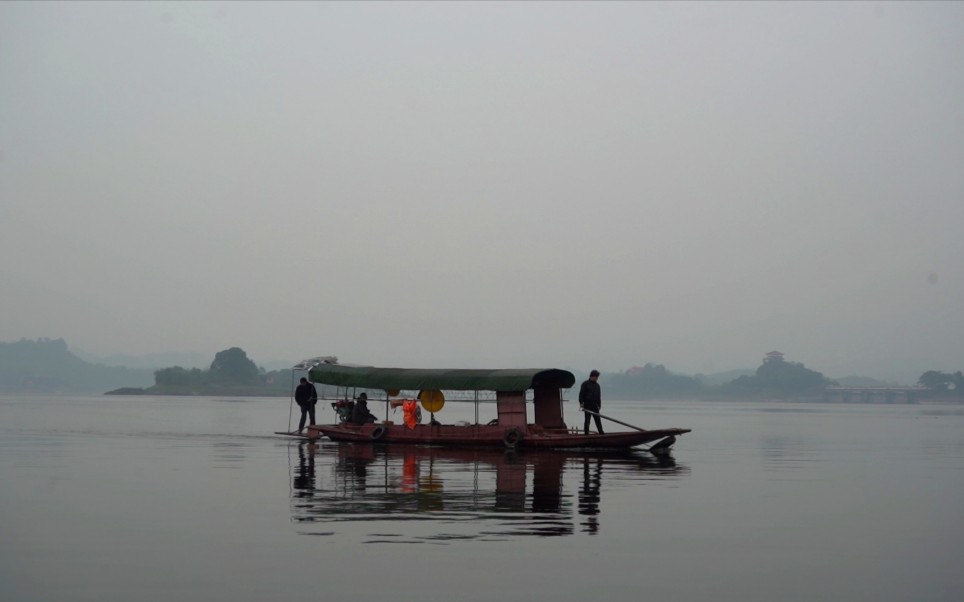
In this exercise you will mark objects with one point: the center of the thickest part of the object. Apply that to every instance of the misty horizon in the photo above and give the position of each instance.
(203, 361)
(598, 185)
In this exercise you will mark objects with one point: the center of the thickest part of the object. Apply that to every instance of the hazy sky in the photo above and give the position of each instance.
(488, 185)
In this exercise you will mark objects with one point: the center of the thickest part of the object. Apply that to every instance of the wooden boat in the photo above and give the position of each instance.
(511, 429)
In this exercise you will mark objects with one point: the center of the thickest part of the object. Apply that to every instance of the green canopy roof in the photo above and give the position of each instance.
(408, 379)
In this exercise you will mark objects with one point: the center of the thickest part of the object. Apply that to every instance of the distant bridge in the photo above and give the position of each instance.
(873, 394)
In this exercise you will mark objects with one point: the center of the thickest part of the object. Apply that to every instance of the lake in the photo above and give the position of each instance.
(174, 498)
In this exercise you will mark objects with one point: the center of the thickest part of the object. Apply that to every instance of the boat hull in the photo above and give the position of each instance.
(489, 436)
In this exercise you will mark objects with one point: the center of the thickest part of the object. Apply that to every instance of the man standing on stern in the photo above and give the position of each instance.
(306, 397)
(590, 400)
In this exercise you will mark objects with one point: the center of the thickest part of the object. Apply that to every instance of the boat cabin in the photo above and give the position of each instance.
(509, 385)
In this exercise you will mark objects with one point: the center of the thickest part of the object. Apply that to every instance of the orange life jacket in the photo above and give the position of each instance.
(410, 408)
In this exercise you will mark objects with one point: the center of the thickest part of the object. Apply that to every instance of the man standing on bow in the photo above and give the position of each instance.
(590, 400)
(307, 397)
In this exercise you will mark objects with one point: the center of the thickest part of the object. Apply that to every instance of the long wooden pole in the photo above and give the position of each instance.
(614, 420)
(291, 404)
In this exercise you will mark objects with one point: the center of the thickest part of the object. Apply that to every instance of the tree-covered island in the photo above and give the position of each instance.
(231, 373)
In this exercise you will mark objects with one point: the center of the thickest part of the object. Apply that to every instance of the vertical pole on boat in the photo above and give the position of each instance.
(387, 405)
(476, 407)
(291, 402)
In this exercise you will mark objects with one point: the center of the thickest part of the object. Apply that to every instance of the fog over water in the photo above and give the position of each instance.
(488, 184)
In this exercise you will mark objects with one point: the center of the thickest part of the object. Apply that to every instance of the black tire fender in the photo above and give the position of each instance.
(378, 433)
(512, 438)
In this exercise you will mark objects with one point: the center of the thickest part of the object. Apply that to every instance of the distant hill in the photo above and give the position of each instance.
(651, 381)
(151, 361)
(231, 373)
(778, 378)
(862, 381)
(155, 361)
(46, 366)
(721, 378)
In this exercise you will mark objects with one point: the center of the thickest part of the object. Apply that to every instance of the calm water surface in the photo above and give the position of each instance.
(161, 498)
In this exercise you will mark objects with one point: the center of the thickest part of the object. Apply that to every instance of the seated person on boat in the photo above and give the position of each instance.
(360, 413)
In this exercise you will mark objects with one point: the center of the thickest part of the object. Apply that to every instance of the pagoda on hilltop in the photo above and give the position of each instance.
(773, 356)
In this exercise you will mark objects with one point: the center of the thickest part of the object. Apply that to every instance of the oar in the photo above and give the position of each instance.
(614, 420)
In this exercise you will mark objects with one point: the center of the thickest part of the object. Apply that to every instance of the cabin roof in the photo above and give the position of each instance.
(413, 379)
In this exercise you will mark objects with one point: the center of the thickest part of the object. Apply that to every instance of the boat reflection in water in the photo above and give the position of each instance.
(398, 493)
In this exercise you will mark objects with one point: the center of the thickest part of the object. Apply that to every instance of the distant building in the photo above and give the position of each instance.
(773, 356)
